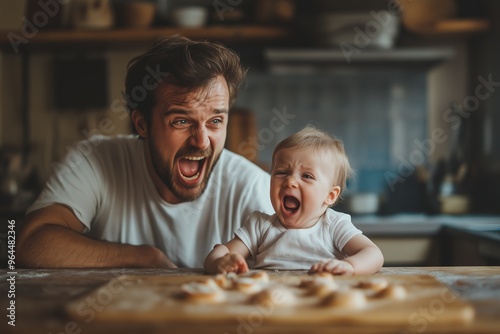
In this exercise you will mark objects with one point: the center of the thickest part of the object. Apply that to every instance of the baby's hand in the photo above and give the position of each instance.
(232, 262)
(336, 267)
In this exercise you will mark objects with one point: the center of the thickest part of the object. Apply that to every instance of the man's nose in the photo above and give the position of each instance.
(199, 138)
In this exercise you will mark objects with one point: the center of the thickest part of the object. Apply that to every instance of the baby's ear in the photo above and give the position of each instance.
(333, 195)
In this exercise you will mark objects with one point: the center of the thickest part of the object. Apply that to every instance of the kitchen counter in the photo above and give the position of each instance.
(423, 240)
(421, 224)
(40, 296)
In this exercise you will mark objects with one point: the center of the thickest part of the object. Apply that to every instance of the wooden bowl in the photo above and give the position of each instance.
(137, 14)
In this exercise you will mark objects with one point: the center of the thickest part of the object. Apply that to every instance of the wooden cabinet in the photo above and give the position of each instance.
(463, 247)
(409, 250)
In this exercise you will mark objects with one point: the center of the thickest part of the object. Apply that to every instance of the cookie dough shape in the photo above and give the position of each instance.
(279, 296)
(392, 292)
(206, 291)
(319, 284)
(374, 284)
(226, 281)
(248, 285)
(260, 276)
(352, 299)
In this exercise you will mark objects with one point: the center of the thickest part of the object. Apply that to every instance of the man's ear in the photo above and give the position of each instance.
(140, 123)
(332, 196)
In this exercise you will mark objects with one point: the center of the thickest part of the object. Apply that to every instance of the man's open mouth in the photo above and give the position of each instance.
(290, 204)
(190, 168)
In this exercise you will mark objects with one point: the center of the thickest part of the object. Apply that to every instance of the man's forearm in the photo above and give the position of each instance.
(53, 246)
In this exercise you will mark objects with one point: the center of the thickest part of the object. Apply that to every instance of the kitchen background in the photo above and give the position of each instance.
(411, 87)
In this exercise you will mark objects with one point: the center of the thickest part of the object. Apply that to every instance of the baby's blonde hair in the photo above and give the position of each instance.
(312, 138)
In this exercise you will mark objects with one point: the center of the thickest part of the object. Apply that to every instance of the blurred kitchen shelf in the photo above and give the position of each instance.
(457, 28)
(422, 57)
(128, 37)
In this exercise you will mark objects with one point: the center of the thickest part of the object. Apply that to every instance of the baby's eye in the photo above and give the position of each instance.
(308, 176)
(279, 172)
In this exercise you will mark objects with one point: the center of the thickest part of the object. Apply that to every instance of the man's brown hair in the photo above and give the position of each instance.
(181, 62)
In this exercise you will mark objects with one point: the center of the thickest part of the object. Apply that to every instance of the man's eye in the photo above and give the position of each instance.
(216, 121)
(180, 122)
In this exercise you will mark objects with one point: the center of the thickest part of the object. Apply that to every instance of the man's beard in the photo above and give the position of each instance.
(165, 170)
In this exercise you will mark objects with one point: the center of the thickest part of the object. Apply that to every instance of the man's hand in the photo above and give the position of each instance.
(333, 266)
(231, 262)
(155, 258)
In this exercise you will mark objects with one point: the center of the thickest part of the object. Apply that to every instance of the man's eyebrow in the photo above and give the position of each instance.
(178, 111)
(189, 112)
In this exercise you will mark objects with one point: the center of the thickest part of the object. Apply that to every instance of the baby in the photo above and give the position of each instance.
(309, 171)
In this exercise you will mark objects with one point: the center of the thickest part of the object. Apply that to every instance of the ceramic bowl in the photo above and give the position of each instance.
(191, 16)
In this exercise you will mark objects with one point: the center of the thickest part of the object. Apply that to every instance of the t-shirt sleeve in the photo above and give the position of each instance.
(74, 183)
(259, 191)
(248, 187)
(256, 194)
(343, 230)
(249, 232)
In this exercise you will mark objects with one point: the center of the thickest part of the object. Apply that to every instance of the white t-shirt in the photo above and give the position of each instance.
(272, 246)
(105, 181)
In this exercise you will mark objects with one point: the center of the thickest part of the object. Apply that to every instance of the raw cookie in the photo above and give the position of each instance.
(206, 291)
(319, 284)
(260, 276)
(226, 281)
(248, 285)
(393, 292)
(348, 299)
(274, 296)
(375, 284)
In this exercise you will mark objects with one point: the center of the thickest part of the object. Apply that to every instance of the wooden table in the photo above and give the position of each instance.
(40, 296)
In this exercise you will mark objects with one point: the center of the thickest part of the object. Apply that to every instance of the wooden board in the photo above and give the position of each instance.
(144, 299)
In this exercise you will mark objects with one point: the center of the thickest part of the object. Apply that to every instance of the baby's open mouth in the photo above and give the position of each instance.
(291, 204)
(191, 168)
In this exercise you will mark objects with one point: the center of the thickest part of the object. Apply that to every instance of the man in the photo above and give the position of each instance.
(163, 198)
